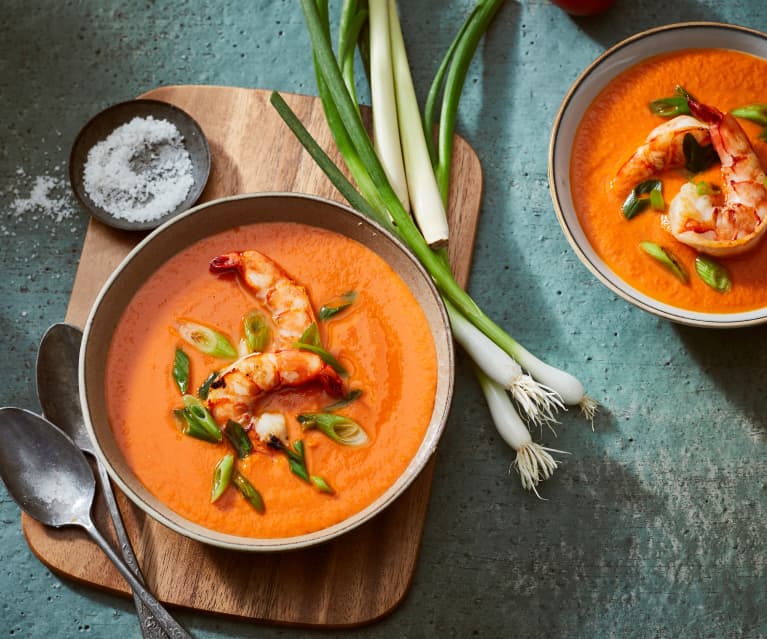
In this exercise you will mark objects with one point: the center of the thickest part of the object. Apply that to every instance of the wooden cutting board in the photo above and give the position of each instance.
(355, 579)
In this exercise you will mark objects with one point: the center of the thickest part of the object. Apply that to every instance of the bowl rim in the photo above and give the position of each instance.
(627, 292)
(416, 465)
(160, 109)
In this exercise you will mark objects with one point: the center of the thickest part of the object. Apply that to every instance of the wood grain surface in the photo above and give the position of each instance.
(349, 581)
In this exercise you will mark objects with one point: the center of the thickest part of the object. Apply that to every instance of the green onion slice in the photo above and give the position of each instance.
(756, 112)
(192, 428)
(635, 203)
(257, 331)
(311, 336)
(344, 401)
(310, 341)
(181, 370)
(198, 418)
(204, 389)
(706, 188)
(322, 485)
(697, 158)
(341, 429)
(666, 258)
(248, 491)
(238, 438)
(335, 306)
(222, 476)
(672, 106)
(656, 200)
(206, 339)
(713, 273)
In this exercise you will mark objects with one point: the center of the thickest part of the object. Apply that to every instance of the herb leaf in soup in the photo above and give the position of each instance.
(697, 158)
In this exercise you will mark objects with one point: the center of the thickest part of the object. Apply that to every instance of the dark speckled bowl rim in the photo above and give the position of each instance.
(106, 121)
(567, 217)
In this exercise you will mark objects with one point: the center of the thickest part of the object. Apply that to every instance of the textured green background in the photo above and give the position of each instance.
(654, 526)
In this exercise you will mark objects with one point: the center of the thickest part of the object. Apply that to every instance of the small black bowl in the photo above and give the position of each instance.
(103, 124)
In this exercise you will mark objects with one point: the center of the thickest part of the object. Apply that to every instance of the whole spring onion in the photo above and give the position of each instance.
(425, 199)
(533, 462)
(181, 370)
(256, 330)
(713, 273)
(666, 258)
(205, 339)
(222, 476)
(248, 491)
(341, 429)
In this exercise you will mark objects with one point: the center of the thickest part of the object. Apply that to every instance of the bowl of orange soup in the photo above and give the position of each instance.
(266, 372)
(656, 171)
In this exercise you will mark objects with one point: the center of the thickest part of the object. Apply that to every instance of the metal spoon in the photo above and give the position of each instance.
(52, 481)
(57, 390)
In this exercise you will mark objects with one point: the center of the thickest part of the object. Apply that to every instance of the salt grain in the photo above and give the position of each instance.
(140, 172)
(44, 199)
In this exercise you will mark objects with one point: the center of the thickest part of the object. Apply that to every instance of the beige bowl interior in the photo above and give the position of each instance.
(212, 218)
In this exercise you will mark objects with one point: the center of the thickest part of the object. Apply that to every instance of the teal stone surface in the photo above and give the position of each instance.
(653, 527)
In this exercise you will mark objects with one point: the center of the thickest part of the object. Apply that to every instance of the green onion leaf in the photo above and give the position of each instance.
(181, 370)
(298, 469)
(238, 438)
(656, 200)
(257, 331)
(310, 341)
(206, 339)
(635, 203)
(713, 273)
(199, 419)
(335, 306)
(311, 336)
(341, 429)
(706, 188)
(248, 491)
(753, 112)
(322, 485)
(204, 389)
(672, 106)
(222, 476)
(666, 258)
(344, 401)
(697, 158)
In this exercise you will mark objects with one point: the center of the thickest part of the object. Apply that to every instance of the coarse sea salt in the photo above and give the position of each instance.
(46, 197)
(140, 172)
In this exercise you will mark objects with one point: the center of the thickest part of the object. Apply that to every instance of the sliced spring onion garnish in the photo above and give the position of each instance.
(311, 336)
(222, 476)
(656, 200)
(181, 370)
(204, 389)
(198, 418)
(335, 306)
(635, 202)
(192, 428)
(321, 484)
(669, 107)
(706, 188)
(257, 331)
(697, 158)
(326, 357)
(666, 258)
(248, 491)
(206, 339)
(341, 429)
(713, 273)
(238, 438)
(344, 401)
(756, 112)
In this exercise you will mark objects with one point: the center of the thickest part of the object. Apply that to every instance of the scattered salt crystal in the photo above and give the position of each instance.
(44, 199)
(141, 171)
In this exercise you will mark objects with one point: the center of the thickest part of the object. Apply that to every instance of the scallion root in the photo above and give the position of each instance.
(589, 407)
(534, 463)
(537, 401)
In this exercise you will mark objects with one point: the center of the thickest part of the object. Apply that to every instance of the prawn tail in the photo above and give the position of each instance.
(226, 262)
(703, 112)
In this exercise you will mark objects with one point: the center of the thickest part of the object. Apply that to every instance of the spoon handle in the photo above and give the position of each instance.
(150, 629)
(168, 623)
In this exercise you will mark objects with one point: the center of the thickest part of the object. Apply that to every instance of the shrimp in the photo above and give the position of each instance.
(734, 221)
(662, 149)
(286, 301)
(235, 393)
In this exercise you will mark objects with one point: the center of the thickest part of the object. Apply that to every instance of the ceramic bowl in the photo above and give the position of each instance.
(588, 85)
(100, 126)
(215, 217)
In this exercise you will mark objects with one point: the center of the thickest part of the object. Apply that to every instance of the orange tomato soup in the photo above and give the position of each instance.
(383, 341)
(616, 123)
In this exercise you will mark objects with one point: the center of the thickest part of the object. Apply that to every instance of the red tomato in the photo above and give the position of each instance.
(584, 7)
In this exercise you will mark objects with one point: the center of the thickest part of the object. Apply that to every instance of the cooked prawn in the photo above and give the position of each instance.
(286, 301)
(235, 393)
(734, 221)
(661, 150)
